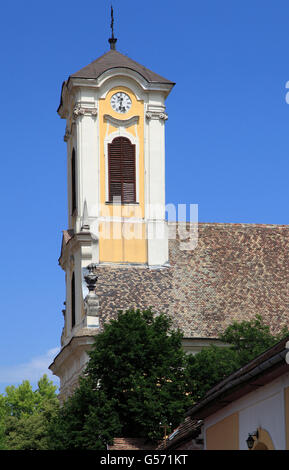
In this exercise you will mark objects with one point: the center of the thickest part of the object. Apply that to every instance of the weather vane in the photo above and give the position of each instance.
(112, 40)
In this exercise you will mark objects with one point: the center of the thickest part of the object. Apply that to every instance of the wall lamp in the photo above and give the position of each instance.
(251, 441)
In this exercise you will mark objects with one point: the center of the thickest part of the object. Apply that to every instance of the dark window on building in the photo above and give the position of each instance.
(72, 301)
(73, 182)
(121, 170)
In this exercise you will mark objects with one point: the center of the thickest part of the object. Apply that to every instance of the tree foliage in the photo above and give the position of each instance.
(86, 421)
(251, 338)
(137, 369)
(246, 340)
(25, 415)
(208, 367)
(138, 379)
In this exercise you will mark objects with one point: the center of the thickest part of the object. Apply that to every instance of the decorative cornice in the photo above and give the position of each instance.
(121, 122)
(156, 115)
(81, 240)
(80, 110)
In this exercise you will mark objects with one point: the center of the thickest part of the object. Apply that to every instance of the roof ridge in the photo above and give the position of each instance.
(238, 224)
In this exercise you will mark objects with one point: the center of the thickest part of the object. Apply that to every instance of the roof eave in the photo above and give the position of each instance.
(73, 80)
(113, 71)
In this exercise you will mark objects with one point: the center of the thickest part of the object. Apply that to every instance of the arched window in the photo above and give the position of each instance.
(73, 183)
(72, 301)
(121, 170)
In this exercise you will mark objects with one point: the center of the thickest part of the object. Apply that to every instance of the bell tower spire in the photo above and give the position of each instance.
(112, 40)
(115, 136)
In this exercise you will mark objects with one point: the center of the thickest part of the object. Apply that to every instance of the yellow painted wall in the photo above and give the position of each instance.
(114, 249)
(224, 435)
(119, 249)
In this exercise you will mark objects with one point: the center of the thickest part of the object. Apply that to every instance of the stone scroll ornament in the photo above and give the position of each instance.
(80, 110)
(156, 115)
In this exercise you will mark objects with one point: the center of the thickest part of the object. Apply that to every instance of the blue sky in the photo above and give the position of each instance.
(227, 136)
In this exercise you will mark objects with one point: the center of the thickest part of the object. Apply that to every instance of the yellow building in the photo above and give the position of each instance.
(250, 408)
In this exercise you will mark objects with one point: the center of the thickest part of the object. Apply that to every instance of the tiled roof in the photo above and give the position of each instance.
(188, 429)
(113, 59)
(131, 443)
(235, 272)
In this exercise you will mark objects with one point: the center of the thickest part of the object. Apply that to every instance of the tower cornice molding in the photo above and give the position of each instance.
(156, 112)
(130, 74)
(102, 84)
(81, 240)
(118, 72)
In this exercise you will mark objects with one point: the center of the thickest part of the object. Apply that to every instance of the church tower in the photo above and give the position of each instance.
(115, 135)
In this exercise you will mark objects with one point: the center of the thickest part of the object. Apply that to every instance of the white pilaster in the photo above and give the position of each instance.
(155, 185)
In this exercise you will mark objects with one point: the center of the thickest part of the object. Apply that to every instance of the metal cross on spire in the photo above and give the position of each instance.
(112, 40)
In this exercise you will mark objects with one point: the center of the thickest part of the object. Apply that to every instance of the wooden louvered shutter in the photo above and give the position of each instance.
(128, 171)
(121, 168)
(114, 169)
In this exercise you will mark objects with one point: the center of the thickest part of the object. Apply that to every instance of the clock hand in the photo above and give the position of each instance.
(120, 103)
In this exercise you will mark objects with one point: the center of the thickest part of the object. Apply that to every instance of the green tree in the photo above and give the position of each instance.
(25, 415)
(2, 422)
(247, 339)
(138, 376)
(87, 420)
(20, 400)
(251, 338)
(208, 367)
(137, 370)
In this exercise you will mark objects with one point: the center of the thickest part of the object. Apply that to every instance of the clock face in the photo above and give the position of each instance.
(120, 102)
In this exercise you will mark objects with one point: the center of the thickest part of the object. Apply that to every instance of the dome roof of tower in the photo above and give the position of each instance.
(114, 59)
